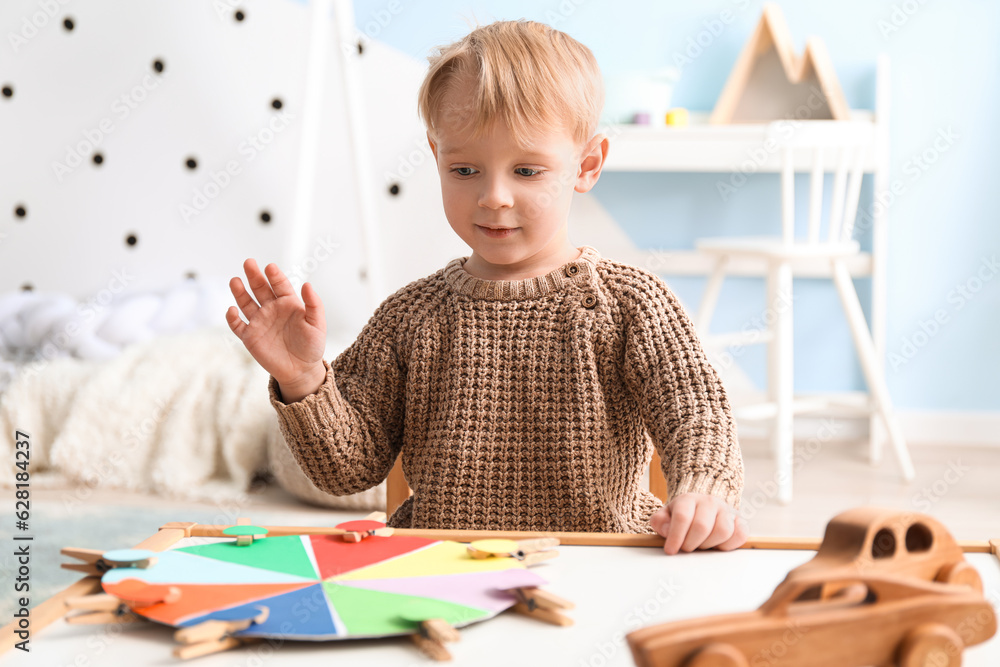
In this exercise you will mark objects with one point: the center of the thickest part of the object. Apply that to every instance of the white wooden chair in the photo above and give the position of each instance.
(806, 146)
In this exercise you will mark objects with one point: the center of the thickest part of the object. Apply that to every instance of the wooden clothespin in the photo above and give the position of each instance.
(542, 605)
(432, 632)
(216, 635)
(100, 608)
(245, 534)
(372, 525)
(529, 552)
(432, 636)
(130, 594)
(97, 562)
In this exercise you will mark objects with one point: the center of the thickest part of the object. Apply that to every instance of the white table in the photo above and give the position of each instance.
(616, 589)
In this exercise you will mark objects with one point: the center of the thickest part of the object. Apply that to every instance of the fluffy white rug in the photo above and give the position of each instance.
(185, 416)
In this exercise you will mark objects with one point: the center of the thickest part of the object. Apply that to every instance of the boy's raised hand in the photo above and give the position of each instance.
(285, 334)
(698, 521)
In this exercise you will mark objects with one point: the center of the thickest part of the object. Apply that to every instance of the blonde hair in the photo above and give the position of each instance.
(524, 74)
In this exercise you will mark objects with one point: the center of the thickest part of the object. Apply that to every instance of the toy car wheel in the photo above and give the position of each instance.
(718, 655)
(960, 573)
(931, 644)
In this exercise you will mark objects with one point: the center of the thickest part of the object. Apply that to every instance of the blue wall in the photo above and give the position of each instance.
(944, 230)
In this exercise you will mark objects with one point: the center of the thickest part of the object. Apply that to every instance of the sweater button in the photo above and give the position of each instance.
(572, 270)
(589, 301)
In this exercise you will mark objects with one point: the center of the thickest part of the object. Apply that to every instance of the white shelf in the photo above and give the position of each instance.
(694, 263)
(701, 147)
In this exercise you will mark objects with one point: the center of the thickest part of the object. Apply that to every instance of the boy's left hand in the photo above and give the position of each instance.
(698, 521)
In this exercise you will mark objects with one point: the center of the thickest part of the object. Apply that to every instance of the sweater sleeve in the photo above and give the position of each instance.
(346, 436)
(681, 399)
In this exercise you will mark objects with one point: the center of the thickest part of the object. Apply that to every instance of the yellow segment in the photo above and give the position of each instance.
(439, 559)
(495, 547)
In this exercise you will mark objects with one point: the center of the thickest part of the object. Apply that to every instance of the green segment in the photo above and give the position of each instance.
(279, 554)
(369, 612)
(418, 610)
(245, 530)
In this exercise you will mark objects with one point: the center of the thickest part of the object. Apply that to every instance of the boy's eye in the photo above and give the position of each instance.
(520, 171)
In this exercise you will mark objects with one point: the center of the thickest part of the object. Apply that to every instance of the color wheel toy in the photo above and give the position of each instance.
(362, 582)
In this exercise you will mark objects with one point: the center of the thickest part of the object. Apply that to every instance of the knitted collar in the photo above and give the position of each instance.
(578, 271)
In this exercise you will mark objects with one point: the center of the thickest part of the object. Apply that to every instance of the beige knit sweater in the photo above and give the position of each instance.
(524, 404)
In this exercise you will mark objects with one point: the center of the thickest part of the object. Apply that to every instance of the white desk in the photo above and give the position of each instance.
(700, 147)
(735, 150)
(646, 587)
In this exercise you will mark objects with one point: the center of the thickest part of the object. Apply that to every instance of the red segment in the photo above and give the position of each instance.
(361, 525)
(204, 598)
(335, 556)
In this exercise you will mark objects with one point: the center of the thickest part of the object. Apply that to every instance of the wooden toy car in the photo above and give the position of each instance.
(870, 540)
(873, 619)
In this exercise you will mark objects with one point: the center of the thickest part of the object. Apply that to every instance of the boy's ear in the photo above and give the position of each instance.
(592, 159)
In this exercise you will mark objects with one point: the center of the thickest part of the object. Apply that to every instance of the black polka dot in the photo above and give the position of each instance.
(277, 103)
(20, 211)
(131, 239)
(68, 24)
(361, 48)
(158, 65)
(394, 189)
(191, 163)
(98, 158)
(239, 15)
(265, 217)
(8, 91)
(27, 287)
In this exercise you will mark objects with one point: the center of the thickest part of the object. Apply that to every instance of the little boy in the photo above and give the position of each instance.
(525, 385)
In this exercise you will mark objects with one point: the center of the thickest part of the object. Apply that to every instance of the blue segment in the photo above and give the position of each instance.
(300, 614)
(250, 610)
(178, 567)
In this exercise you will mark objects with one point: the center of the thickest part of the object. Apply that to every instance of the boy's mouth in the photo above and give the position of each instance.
(497, 232)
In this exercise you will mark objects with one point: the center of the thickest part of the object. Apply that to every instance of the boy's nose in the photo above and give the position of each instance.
(496, 195)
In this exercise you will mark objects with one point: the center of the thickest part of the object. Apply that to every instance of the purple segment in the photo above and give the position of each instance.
(485, 590)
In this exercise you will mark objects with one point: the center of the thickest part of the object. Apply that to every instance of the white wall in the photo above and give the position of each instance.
(93, 89)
